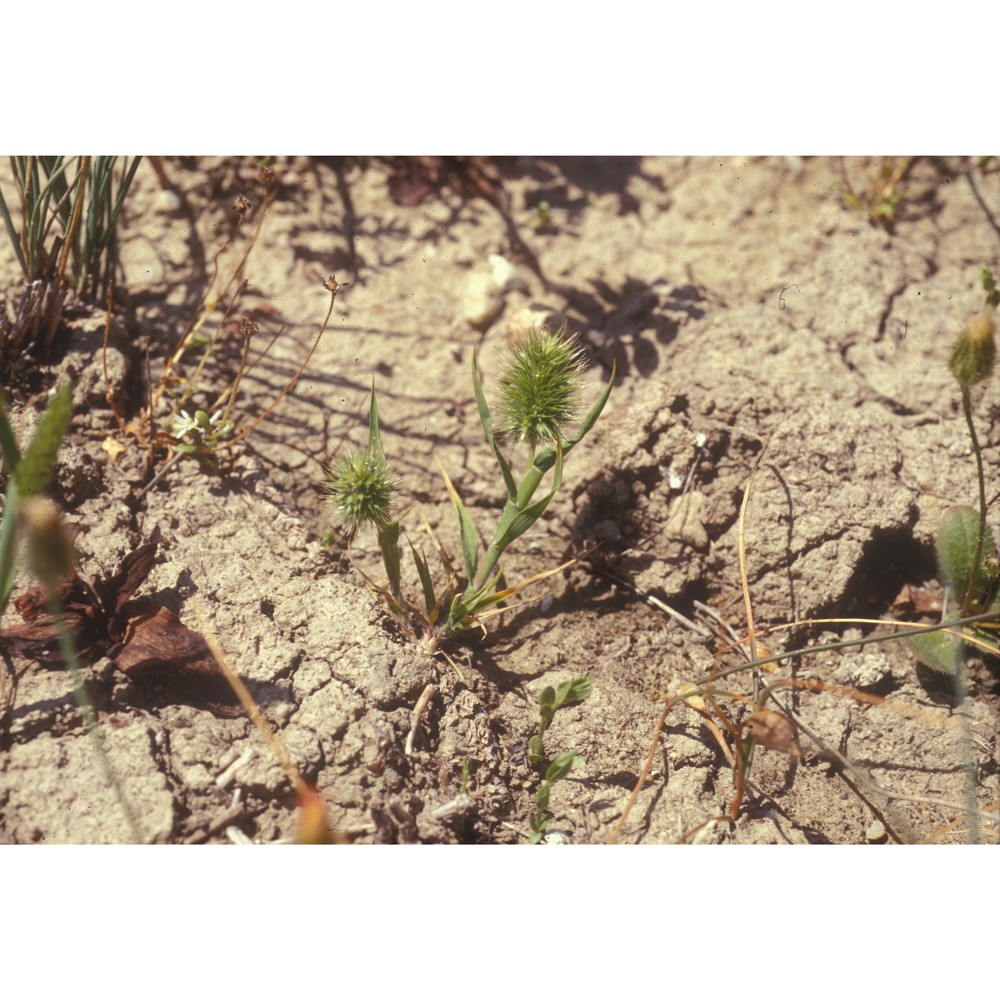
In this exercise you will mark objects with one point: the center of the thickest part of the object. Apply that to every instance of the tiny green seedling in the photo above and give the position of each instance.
(557, 770)
(539, 395)
(549, 702)
(882, 194)
(543, 217)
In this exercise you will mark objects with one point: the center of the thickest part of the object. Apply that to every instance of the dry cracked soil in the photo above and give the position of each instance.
(749, 313)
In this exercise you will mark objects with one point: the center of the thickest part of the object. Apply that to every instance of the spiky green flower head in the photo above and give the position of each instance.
(539, 387)
(361, 488)
(975, 352)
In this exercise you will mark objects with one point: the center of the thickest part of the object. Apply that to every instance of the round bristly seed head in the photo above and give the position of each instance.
(539, 387)
(975, 352)
(361, 489)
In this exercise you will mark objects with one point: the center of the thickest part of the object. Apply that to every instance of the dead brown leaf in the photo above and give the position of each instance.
(145, 640)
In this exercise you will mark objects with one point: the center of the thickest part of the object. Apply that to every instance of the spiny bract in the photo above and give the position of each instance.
(539, 388)
(361, 488)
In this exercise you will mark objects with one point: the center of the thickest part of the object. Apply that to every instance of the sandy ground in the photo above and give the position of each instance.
(746, 310)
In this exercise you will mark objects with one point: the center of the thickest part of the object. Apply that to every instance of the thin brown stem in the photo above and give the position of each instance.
(661, 722)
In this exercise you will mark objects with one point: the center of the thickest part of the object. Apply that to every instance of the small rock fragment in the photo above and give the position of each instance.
(482, 302)
(530, 318)
(505, 275)
(871, 672)
(875, 832)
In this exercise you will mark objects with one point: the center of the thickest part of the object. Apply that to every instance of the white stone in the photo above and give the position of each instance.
(505, 275)
(482, 302)
(530, 318)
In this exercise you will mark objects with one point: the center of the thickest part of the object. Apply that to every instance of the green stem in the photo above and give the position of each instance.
(981, 535)
(960, 693)
(529, 486)
(89, 715)
(969, 763)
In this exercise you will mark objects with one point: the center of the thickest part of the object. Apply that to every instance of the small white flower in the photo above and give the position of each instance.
(185, 424)
(198, 426)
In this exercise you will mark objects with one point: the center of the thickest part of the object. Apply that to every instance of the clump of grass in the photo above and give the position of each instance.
(539, 395)
(64, 239)
(882, 193)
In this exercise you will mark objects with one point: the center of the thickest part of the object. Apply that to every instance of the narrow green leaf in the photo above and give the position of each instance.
(9, 450)
(35, 469)
(571, 692)
(12, 235)
(426, 583)
(470, 540)
(487, 422)
(8, 543)
(542, 795)
(481, 404)
(538, 824)
(374, 438)
(388, 542)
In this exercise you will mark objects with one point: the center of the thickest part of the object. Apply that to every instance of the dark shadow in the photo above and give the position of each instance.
(888, 561)
(594, 175)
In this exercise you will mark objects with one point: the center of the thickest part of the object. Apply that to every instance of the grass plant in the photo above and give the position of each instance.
(881, 193)
(539, 396)
(64, 238)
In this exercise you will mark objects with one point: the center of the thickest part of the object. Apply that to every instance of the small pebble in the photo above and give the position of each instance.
(870, 671)
(875, 832)
(482, 302)
(531, 318)
(505, 275)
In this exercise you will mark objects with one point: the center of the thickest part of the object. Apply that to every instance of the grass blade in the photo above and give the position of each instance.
(35, 469)
(470, 541)
(8, 543)
(487, 422)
